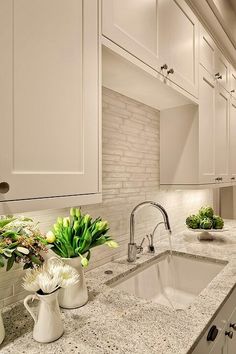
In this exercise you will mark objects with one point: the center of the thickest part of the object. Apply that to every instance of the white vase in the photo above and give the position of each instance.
(76, 295)
(2, 330)
(48, 325)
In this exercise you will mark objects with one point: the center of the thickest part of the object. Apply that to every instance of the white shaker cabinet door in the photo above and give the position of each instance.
(232, 139)
(135, 26)
(206, 127)
(222, 70)
(183, 28)
(48, 98)
(222, 134)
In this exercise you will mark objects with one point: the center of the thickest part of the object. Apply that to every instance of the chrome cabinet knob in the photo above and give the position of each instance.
(230, 334)
(4, 187)
(218, 76)
(170, 71)
(233, 325)
(164, 67)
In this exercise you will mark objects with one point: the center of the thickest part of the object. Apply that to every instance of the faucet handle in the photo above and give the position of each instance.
(151, 248)
(140, 247)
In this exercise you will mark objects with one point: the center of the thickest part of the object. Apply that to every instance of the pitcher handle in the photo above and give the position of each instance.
(26, 300)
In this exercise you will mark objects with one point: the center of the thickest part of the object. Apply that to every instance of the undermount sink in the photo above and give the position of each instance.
(172, 280)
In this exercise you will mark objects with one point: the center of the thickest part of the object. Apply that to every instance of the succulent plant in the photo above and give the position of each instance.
(206, 212)
(193, 221)
(218, 222)
(206, 223)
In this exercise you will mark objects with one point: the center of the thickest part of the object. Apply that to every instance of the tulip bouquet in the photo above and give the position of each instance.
(20, 242)
(53, 275)
(75, 236)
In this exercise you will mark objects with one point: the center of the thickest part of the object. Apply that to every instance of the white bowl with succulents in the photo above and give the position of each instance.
(205, 223)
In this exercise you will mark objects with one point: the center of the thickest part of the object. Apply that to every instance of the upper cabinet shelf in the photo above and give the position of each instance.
(162, 34)
(49, 69)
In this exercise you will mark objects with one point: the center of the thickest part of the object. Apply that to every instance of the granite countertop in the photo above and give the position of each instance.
(116, 322)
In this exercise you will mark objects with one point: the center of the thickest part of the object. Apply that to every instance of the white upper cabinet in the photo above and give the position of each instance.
(206, 127)
(161, 33)
(181, 44)
(232, 139)
(49, 98)
(207, 51)
(222, 134)
(222, 69)
(134, 26)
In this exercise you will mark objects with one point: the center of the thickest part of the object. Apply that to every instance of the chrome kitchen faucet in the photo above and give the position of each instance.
(132, 247)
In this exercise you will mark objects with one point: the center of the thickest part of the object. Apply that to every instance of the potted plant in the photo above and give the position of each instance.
(45, 283)
(72, 239)
(20, 242)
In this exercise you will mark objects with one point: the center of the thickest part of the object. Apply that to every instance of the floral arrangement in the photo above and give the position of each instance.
(53, 275)
(75, 236)
(20, 242)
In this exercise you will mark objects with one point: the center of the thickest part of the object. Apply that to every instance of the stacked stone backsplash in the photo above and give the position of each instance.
(130, 175)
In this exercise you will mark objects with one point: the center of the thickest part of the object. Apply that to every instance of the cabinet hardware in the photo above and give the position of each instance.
(212, 334)
(230, 334)
(218, 76)
(164, 67)
(232, 91)
(233, 325)
(233, 178)
(170, 71)
(219, 179)
(4, 187)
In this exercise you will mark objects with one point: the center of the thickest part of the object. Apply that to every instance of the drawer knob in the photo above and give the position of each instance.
(233, 325)
(4, 187)
(230, 334)
(232, 91)
(212, 334)
(164, 67)
(218, 76)
(170, 71)
(232, 178)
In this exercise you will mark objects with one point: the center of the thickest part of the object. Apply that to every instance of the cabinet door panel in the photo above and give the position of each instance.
(232, 132)
(222, 68)
(231, 342)
(134, 26)
(207, 51)
(183, 45)
(49, 97)
(206, 127)
(222, 134)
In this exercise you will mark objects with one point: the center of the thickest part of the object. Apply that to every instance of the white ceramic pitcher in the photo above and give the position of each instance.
(2, 330)
(76, 295)
(48, 325)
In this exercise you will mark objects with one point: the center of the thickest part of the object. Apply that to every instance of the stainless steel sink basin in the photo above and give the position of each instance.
(174, 280)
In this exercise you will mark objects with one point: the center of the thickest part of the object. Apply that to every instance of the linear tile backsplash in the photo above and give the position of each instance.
(130, 175)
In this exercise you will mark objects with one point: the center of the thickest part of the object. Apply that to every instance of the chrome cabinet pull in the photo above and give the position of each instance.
(164, 67)
(170, 71)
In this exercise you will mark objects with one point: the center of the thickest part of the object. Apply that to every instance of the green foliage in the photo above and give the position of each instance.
(206, 223)
(20, 242)
(193, 221)
(206, 212)
(218, 222)
(205, 219)
(75, 235)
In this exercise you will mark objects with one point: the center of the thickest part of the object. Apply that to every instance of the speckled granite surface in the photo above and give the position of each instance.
(115, 322)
